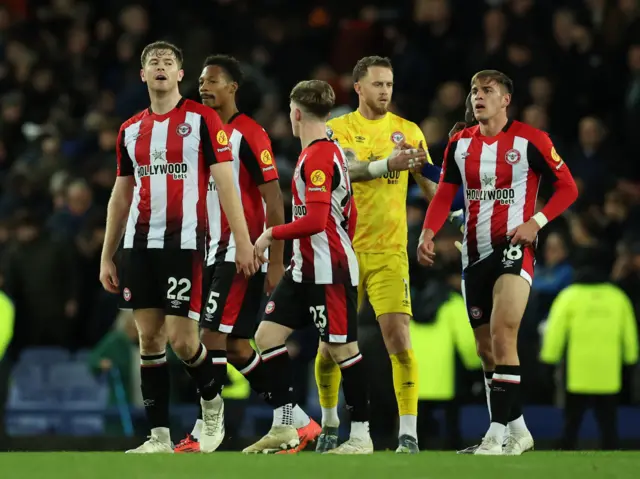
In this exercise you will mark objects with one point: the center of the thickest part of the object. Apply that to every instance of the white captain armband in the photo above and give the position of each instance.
(378, 168)
(541, 219)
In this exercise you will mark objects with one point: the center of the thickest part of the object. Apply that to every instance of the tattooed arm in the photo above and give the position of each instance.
(399, 160)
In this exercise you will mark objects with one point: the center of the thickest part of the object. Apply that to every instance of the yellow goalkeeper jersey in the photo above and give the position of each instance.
(381, 203)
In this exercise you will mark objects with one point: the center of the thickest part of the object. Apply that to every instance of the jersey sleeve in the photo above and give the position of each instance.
(544, 158)
(317, 173)
(257, 156)
(125, 165)
(450, 171)
(214, 139)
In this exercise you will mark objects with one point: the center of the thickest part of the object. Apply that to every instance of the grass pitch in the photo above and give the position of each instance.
(427, 465)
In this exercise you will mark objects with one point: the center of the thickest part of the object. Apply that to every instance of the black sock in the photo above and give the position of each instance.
(254, 372)
(154, 382)
(205, 369)
(505, 387)
(516, 406)
(355, 388)
(276, 366)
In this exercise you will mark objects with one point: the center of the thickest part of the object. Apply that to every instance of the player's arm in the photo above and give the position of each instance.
(427, 186)
(317, 173)
(402, 158)
(258, 158)
(438, 210)
(545, 161)
(117, 213)
(217, 153)
(629, 331)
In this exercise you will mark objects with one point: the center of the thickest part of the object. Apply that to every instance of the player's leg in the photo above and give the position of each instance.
(510, 296)
(282, 315)
(140, 293)
(224, 290)
(336, 320)
(389, 293)
(477, 291)
(327, 373)
(184, 270)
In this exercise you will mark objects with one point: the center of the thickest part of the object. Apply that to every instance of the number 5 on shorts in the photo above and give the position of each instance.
(212, 304)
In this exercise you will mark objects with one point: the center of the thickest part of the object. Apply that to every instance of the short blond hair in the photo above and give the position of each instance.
(314, 96)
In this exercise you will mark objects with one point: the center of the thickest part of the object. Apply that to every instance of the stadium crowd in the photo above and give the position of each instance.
(69, 75)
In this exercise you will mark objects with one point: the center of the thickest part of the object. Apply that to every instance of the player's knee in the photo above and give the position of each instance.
(184, 344)
(485, 353)
(270, 335)
(395, 331)
(342, 352)
(504, 342)
(151, 341)
(239, 351)
(213, 340)
(324, 350)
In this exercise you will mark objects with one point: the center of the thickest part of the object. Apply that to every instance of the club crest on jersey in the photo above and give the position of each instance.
(183, 129)
(397, 137)
(512, 156)
(270, 307)
(126, 294)
(476, 313)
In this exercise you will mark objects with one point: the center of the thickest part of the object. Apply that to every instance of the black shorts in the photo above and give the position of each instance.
(170, 280)
(232, 302)
(480, 278)
(332, 308)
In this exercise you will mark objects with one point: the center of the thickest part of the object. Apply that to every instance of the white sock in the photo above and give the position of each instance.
(517, 427)
(162, 434)
(197, 429)
(283, 416)
(300, 418)
(497, 431)
(408, 426)
(330, 417)
(360, 430)
(487, 391)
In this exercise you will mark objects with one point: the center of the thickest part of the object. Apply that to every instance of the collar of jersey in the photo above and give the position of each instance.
(362, 119)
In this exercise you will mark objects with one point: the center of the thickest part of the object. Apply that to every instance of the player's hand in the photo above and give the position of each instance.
(426, 248)
(263, 242)
(109, 276)
(405, 157)
(275, 272)
(461, 125)
(245, 261)
(525, 234)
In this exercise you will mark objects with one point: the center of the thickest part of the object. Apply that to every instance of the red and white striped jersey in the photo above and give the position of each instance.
(501, 176)
(253, 165)
(169, 156)
(321, 176)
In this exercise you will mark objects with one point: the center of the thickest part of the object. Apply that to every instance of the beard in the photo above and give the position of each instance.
(377, 108)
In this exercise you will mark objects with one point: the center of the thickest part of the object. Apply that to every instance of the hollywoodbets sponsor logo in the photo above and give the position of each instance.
(178, 171)
(506, 196)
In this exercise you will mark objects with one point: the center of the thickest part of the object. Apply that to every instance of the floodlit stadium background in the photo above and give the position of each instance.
(69, 75)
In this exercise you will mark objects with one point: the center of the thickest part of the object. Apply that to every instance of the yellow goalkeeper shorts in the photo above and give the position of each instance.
(384, 278)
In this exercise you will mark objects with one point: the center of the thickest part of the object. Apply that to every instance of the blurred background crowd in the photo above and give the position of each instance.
(69, 75)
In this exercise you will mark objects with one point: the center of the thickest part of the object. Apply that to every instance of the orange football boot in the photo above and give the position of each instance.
(188, 444)
(307, 435)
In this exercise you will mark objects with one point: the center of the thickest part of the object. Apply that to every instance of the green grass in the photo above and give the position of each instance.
(428, 465)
